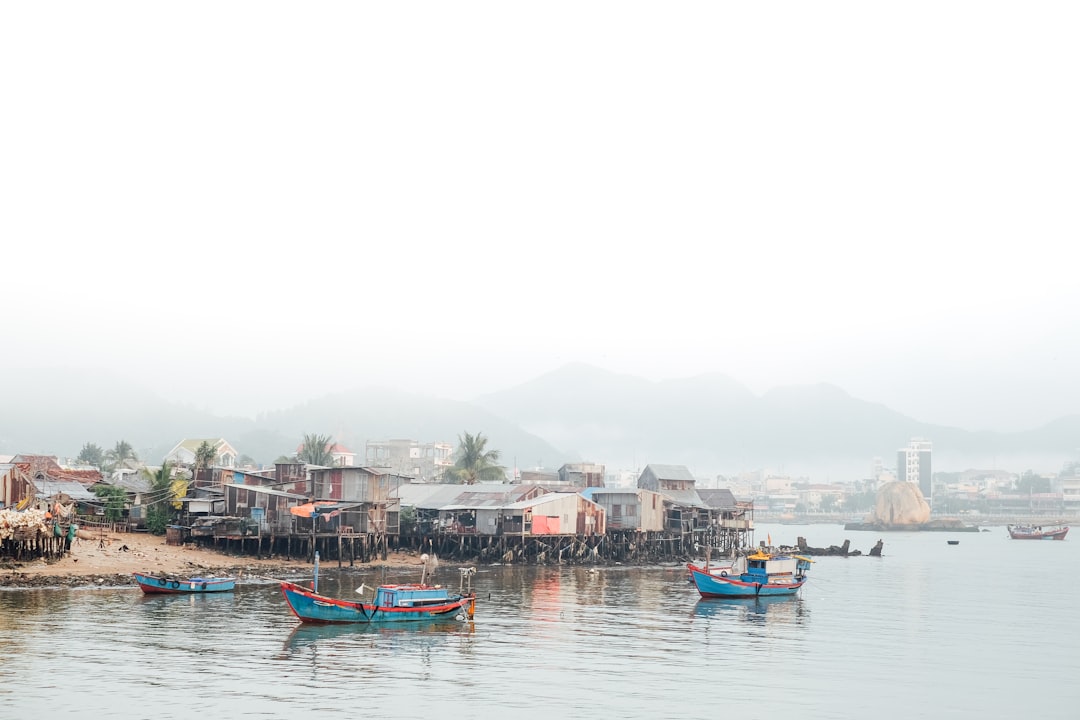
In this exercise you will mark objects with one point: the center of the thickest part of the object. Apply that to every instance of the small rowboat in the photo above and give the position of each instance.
(171, 584)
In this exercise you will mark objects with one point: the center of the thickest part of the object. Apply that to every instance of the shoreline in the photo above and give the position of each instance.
(111, 561)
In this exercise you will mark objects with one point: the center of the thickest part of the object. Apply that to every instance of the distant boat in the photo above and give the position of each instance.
(953, 542)
(766, 575)
(391, 603)
(171, 584)
(1030, 532)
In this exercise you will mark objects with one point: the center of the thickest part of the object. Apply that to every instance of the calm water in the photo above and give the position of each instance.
(984, 629)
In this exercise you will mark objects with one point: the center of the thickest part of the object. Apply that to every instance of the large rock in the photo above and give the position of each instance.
(900, 503)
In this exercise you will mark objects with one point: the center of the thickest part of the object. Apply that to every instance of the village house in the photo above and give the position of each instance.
(629, 508)
(183, 453)
(683, 505)
(30, 479)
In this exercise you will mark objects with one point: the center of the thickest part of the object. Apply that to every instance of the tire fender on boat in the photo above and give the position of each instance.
(203, 586)
(162, 581)
(174, 584)
(723, 573)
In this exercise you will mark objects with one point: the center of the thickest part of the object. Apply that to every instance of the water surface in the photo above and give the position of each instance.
(983, 629)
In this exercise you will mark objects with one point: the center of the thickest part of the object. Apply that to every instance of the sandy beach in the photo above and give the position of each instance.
(92, 562)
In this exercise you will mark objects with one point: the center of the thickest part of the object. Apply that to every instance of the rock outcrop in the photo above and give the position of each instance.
(899, 503)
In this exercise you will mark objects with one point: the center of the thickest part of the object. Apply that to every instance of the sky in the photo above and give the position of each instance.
(247, 204)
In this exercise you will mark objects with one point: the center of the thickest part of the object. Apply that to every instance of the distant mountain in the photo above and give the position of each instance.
(56, 411)
(713, 424)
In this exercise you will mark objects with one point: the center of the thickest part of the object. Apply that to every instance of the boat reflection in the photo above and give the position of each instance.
(786, 609)
(410, 634)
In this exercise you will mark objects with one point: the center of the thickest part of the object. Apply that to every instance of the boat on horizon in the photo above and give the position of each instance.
(765, 575)
(1033, 532)
(176, 585)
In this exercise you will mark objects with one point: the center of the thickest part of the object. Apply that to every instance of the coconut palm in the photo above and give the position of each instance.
(120, 455)
(316, 450)
(473, 463)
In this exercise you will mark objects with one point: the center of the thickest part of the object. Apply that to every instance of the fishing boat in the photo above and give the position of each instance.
(764, 575)
(172, 584)
(390, 603)
(1030, 532)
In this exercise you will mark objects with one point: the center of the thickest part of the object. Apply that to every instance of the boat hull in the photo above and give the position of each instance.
(1031, 534)
(713, 586)
(310, 607)
(156, 584)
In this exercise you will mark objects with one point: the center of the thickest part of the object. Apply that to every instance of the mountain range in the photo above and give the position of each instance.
(711, 423)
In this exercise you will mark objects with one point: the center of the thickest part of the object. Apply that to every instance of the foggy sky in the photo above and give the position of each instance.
(247, 204)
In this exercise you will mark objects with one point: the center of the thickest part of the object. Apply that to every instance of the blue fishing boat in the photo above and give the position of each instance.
(764, 575)
(391, 603)
(171, 584)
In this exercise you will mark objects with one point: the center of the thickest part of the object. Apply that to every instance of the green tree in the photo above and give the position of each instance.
(473, 463)
(91, 454)
(159, 499)
(316, 450)
(120, 455)
(204, 458)
(115, 499)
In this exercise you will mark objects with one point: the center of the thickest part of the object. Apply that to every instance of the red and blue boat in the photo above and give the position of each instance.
(1029, 532)
(764, 575)
(406, 602)
(173, 585)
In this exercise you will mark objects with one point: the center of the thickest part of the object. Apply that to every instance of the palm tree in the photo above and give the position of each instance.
(161, 495)
(316, 450)
(119, 455)
(473, 463)
(204, 458)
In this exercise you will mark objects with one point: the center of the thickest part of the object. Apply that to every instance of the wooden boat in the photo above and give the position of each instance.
(171, 584)
(953, 542)
(1029, 532)
(391, 603)
(765, 575)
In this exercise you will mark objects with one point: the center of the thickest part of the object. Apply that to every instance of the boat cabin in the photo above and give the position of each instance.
(410, 595)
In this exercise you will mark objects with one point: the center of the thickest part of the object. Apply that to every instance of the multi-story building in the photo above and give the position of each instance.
(913, 465)
(426, 462)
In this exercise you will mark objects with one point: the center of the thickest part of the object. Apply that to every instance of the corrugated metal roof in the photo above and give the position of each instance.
(686, 498)
(671, 472)
(72, 488)
(542, 500)
(131, 483)
(718, 498)
(462, 496)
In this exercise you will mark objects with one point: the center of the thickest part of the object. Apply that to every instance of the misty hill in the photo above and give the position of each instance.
(713, 424)
(56, 411)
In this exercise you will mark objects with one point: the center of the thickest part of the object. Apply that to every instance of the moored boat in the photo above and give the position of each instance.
(390, 603)
(765, 575)
(172, 584)
(1030, 532)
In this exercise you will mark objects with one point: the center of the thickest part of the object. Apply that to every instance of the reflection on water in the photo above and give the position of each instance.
(396, 636)
(755, 610)
(609, 641)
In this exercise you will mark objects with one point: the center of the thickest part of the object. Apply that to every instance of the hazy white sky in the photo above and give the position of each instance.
(243, 204)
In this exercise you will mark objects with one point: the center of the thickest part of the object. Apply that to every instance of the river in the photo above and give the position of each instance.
(982, 629)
